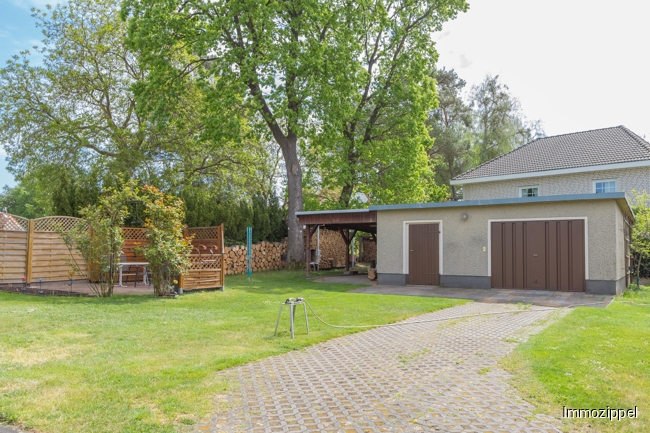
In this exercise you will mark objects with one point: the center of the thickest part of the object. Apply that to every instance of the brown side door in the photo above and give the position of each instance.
(424, 257)
(539, 255)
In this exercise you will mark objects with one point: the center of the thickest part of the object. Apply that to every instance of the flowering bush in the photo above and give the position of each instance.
(168, 250)
(100, 240)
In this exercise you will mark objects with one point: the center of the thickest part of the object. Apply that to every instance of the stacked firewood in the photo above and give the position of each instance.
(266, 256)
(332, 248)
(368, 249)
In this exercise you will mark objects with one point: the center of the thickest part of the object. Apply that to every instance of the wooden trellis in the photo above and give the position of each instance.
(207, 270)
(33, 249)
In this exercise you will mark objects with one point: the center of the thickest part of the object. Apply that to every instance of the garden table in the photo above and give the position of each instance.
(144, 270)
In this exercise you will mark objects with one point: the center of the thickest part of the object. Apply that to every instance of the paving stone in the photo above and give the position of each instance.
(436, 376)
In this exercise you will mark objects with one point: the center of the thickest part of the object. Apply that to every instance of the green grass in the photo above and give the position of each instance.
(591, 358)
(142, 364)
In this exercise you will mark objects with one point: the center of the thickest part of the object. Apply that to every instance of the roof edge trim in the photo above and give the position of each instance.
(585, 169)
(501, 201)
(317, 212)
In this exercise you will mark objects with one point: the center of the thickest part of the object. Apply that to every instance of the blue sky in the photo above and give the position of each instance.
(17, 33)
(576, 65)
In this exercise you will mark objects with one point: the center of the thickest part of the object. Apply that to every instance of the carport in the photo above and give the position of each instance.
(347, 222)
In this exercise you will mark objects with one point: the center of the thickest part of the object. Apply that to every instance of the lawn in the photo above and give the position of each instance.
(591, 358)
(143, 364)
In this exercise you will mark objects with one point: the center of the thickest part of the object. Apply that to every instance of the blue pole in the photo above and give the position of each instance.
(249, 251)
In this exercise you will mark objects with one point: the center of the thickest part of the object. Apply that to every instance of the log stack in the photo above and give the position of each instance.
(368, 249)
(267, 256)
(332, 247)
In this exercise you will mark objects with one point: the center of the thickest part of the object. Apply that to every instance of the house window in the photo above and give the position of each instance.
(528, 191)
(601, 186)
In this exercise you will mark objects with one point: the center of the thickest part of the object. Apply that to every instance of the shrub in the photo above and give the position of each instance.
(167, 250)
(99, 241)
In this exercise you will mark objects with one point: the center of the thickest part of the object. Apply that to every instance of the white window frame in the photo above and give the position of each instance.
(498, 220)
(604, 180)
(405, 234)
(521, 188)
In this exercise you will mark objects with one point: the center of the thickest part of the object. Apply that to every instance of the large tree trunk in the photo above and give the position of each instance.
(295, 250)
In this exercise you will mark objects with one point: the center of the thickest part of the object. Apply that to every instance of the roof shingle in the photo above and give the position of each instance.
(580, 149)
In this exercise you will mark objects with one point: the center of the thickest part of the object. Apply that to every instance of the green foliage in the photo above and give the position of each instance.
(267, 219)
(76, 114)
(23, 200)
(167, 250)
(450, 126)
(99, 241)
(640, 242)
(374, 138)
(499, 124)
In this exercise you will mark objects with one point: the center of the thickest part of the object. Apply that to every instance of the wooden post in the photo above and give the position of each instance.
(223, 261)
(181, 278)
(308, 252)
(347, 250)
(30, 252)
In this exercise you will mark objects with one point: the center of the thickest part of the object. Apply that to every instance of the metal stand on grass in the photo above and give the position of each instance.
(292, 303)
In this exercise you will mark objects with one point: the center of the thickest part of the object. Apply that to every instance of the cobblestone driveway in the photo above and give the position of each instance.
(439, 376)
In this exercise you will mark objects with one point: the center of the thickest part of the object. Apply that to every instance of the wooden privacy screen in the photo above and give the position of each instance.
(33, 249)
(207, 270)
(540, 255)
(208, 267)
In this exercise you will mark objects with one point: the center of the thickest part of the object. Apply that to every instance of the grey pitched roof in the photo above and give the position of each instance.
(580, 149)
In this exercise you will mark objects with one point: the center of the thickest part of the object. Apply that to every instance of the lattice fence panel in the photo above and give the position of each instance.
(134, 234)
(13, 222)
(208, 237)
(55, 223)
(205, 232)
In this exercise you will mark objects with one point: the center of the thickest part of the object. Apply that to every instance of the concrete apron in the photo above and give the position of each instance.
(498, 296)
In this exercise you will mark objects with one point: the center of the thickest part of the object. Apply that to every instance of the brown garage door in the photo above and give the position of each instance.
(424, 258)
(540, 255)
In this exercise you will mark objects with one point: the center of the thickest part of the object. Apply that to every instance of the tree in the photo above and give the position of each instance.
(499, 124)
(287, 63)
(77, 114)
(450, 126)
(167, 250)
(23, 200)
(640, 242)
(374, 138)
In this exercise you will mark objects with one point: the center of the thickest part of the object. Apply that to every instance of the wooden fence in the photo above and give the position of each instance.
(33, 249)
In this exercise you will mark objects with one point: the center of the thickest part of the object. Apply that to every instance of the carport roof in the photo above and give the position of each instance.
(364, 220)
(619, 197)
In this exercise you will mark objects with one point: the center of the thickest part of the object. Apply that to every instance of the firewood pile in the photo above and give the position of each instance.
(332, 248)
(266, 257)
(368, 249)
